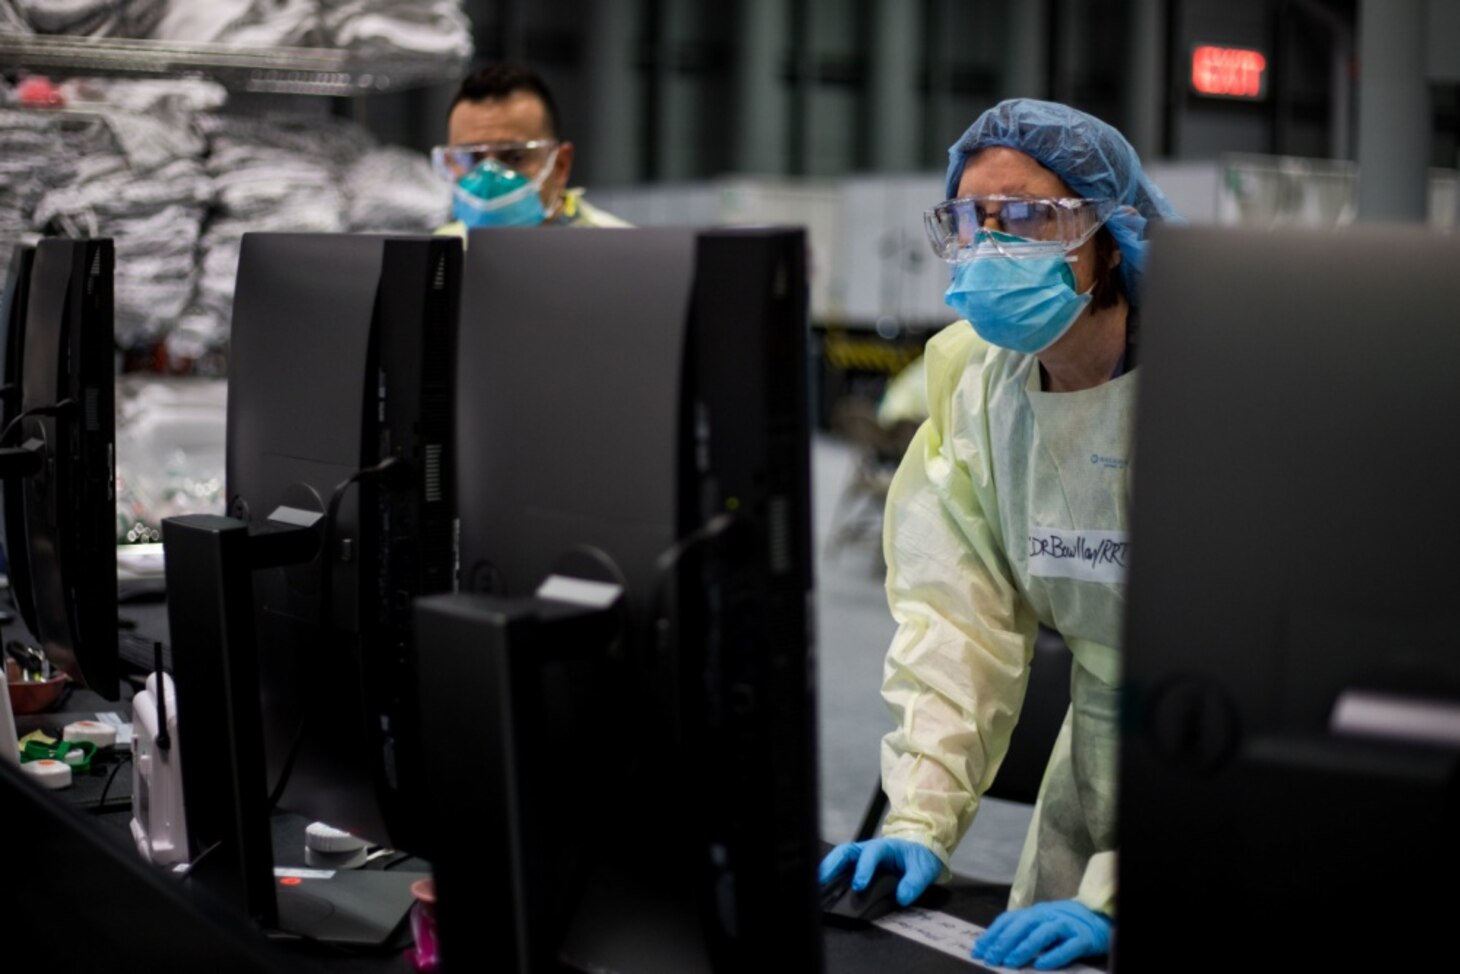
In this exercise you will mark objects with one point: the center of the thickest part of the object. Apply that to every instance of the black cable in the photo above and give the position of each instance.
(332, 513)
(397, 859)
(667, 562)
(326, 600)
(666, 565)
(603, 560)
(288, 769)
(55, 409)
(187, 870)
(101, 802)
(163, 741)
(662, 618)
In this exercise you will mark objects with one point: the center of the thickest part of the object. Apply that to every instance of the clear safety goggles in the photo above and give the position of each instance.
(528, 158)
(959, 229)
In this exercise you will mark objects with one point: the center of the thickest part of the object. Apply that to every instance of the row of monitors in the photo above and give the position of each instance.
(603, 412)
(621, 412)
(1290, 656)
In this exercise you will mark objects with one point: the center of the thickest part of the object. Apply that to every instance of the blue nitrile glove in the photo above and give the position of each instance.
(1057, 933)
(917, 864)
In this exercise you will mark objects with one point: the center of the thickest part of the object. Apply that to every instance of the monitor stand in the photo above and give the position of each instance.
(355, 907)
(513, 884)
(210, 561)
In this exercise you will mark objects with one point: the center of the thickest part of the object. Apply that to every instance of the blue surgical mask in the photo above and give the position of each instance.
(1025, 302)
(492, 195)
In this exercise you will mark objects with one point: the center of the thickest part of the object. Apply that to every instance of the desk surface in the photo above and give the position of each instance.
(872, 948)
(869, 948)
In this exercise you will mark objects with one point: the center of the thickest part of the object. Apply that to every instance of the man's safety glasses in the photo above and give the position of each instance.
(958, 228)
(455, 161)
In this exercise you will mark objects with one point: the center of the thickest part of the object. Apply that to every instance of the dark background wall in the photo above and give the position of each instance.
(655, 90)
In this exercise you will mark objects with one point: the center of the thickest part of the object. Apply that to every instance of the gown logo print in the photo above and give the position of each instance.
(1092, 556)
(1109, 463)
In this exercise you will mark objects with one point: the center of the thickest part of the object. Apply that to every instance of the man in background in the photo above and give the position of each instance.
(505, 157)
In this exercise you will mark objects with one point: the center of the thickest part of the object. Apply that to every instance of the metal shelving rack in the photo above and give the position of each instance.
(278, 70)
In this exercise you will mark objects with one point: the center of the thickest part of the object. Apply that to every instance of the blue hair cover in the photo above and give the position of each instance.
(1093, 159)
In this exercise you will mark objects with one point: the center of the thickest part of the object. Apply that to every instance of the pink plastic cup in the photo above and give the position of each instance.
(424, 956)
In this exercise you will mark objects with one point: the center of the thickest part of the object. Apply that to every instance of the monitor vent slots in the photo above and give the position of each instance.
(433, 473)
(781, 542)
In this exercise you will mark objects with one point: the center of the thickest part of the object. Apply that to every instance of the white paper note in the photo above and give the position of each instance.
(948, 935)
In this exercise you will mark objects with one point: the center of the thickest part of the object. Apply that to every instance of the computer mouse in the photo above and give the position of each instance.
(842, 905)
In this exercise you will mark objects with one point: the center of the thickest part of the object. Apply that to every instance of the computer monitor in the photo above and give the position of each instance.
(1289, 790)
(296, 674)
(633, 416)
(16, 299)
(340, 357)
(60, 514)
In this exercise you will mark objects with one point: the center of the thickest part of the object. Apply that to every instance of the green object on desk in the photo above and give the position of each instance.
(36, 751)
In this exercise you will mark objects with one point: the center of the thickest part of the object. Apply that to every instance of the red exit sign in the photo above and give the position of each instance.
(1228, 72)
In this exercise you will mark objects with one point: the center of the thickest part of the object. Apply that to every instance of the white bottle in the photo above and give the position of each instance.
(159, 825)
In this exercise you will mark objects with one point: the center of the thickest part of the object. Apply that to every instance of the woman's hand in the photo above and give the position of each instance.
(917, 863)
(1057, 933)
